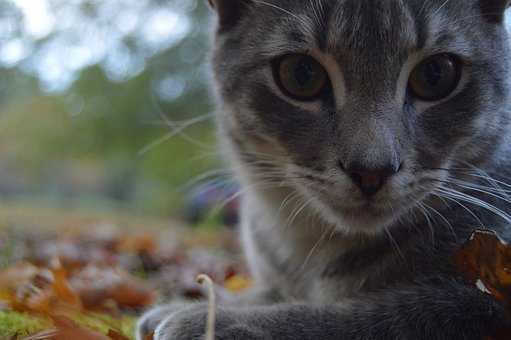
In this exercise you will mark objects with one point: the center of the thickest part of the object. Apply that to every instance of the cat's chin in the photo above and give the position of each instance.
(364, 224)
(366, 219)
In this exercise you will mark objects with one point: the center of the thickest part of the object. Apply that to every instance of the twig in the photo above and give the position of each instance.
(210, 325)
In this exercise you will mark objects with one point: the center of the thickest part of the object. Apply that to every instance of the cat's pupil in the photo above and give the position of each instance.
(436, 77)
(303, 73)
(434, 73)
(300, 76)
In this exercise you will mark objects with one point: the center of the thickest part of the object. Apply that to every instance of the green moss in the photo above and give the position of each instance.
(103, 323)
(15, 325)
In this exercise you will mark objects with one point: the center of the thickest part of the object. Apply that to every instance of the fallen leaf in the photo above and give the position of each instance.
(237, 283)
(142, 243)
(114, 335)
(43, 335)
(67, 329)
(149, 336)
(485, 261)
(96, 285)
(61, 286)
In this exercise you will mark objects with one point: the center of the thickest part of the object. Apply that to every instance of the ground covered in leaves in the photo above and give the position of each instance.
(82, 278)
(90, 280)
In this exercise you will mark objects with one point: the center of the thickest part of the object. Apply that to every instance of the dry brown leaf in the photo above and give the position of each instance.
(143, 243)
(149, 336)
(43, 335)
(32, 289)
(67, 329)
(96, 285)
(62, 288)
(114, 335)
(485, 261)
(11, 277)
(238, 283)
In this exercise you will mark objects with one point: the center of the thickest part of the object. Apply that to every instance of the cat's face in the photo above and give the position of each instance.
(365, 108)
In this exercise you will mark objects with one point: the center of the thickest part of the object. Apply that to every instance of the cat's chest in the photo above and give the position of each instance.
(306, 263)
(315, 285)
(303, 273)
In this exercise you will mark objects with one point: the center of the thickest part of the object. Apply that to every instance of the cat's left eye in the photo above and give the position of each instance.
(436, 77)
(300, 77)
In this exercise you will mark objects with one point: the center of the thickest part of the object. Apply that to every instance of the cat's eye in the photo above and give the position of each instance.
(300, 77)
(436, 77)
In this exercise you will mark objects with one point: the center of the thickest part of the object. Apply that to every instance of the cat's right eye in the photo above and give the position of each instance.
(300, 77)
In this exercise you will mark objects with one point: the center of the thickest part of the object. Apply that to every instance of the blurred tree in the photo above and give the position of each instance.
(88, 89)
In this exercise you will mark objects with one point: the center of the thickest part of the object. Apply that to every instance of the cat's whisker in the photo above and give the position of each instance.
(215, 173)
(471, 213)
(481, 189)
(176, 129)
(173, 127)
(493, 189)
(423, 209)
(476, 172)
(283, 10)
(297, 212)
(300, 202)
(313, 249)
(446, 221)
(394, 243)
(439, 8)
(287, 200)
(209, 154)
(492, 181)
(449, 192)
(265, 184)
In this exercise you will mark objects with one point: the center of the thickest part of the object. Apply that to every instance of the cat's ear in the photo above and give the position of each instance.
(494, 10)
(229, 12)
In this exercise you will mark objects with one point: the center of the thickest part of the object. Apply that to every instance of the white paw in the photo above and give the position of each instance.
(148, 323)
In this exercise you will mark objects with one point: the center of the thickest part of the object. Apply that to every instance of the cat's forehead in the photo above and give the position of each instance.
(351, 26)
(371, 39)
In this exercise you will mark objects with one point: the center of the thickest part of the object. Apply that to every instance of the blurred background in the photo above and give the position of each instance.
(104, 106)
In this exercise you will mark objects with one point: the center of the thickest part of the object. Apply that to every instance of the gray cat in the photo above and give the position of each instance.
(371, 138)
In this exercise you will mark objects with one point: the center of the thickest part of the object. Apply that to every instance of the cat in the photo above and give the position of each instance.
(371, 139)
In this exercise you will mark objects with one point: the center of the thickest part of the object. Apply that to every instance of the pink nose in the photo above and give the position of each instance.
(371, 181)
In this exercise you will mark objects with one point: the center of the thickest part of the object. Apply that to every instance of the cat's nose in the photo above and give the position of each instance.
(371, 180)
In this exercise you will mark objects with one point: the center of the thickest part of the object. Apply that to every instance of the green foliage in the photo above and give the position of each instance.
(83, 145)
(15, 325)
(103, 323)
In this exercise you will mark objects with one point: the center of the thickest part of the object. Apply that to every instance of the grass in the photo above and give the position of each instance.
(15, 325)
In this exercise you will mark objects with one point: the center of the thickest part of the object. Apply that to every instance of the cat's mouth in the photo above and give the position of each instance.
(367, 216)
(341, 204)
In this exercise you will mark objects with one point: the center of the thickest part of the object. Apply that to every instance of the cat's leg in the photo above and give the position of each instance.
(151, 319)
(254, 297)
(444, 311)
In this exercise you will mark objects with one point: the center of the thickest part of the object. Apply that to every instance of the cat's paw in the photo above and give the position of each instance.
(190, 324)
(148, 323)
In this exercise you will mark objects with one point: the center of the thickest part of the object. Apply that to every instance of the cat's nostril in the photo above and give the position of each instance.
(341, 165)
(371, 181)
